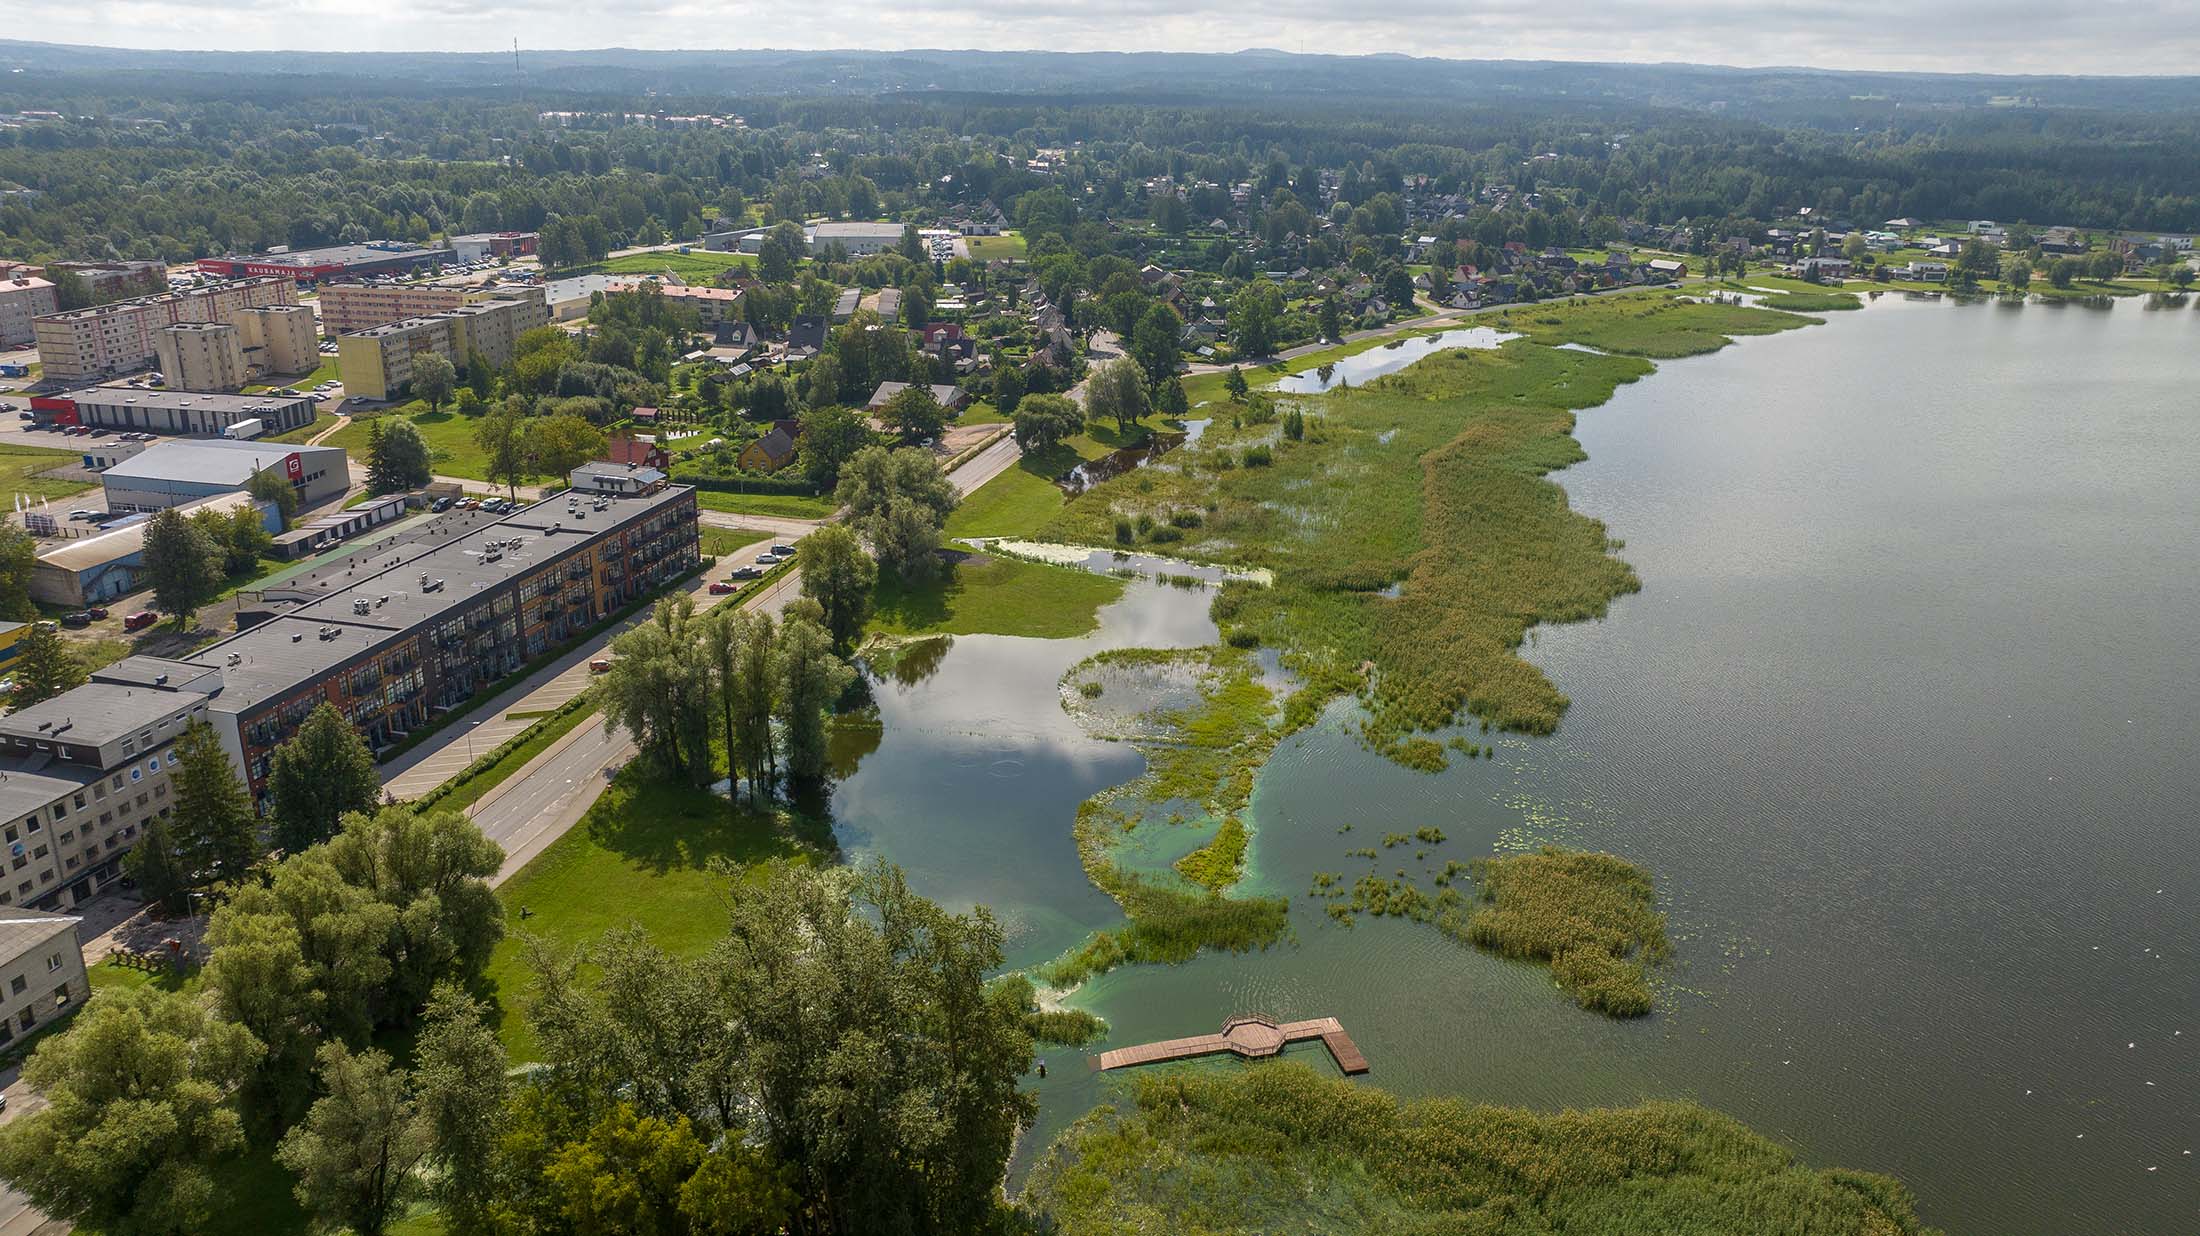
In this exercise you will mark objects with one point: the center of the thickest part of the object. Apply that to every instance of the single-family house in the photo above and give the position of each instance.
(952, 398)
(773, 451)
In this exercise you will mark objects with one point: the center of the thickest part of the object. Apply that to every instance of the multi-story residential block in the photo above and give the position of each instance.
(376, 363)
(41, 971)
(23, 297)
(86, 772)
(279, 339)
(200, 356)
(392, 635)
(113, 280)
(83, 344)
(348, 307)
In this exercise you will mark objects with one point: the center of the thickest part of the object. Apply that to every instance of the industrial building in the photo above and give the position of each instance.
(111, 563)
(346, 307)
(172, 473)
(23, 297)
(376, 363)
(121, 337)
(171, 412)
(392, 636)
(374, 257)
(856, 239)
(11, 643)
(481, 246)
(41, 968)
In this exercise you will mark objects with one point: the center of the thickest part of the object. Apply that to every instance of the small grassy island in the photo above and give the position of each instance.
(1277, 1148)
(1592, 917)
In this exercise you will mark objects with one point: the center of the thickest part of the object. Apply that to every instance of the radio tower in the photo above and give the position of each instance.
(517, 72)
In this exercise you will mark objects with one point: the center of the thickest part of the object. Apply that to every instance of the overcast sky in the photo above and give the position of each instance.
(2004, 36)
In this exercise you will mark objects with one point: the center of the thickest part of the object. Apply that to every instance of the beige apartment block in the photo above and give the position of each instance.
(377, 363)
(348, 307)
(85, 344)
(23, 297)
(41, 971)
(280, 339)
(201, 356)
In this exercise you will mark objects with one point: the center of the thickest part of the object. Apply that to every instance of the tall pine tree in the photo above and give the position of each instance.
(46, 668)
(216, 829)
(324, 771)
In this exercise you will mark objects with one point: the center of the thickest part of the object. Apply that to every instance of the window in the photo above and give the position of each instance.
(16, 985)
(30, 1019)
(129, 746)
(53, 963)
(61, 996)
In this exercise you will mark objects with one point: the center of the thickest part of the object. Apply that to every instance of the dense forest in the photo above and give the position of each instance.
(181, 163)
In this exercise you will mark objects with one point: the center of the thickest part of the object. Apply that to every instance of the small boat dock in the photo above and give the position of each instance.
(1251, 1037)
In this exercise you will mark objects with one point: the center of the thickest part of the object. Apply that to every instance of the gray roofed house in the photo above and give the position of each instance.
(950, 397)
(845, 307)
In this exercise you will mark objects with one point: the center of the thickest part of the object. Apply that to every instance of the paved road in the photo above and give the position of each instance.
(540, 802)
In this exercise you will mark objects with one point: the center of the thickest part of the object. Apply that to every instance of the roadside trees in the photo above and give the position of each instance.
(1117, 391)
(839, 576)
(502, 437)
(397, 456)
(324, 771)
(1044, 422)
(898, 501)
(914, 413)
(660, 689)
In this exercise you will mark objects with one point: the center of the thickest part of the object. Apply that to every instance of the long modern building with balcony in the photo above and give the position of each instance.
(393, 635)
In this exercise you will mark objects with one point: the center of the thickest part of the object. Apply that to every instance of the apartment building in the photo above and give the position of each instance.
(121, 337)
(279, 339)
(23, 297)
(348, 307)
(83, 774)
(200, 356)
(112, 280)
(401, 632)
(41, 971)
(376, 363)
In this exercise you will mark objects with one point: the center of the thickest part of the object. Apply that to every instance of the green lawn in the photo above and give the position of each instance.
(1019, 500)
(699, 264)
(538, 739)
(718, 542)
(450, 437)
(640, 855)
(785, 506)
(996, 596)
(321, 421)
(982, 412)
(1007, 245)
(20, 467)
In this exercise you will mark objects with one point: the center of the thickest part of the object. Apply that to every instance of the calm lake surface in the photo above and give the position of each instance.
(1901, 722)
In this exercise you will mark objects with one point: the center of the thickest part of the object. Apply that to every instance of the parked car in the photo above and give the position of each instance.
(77, 618)
(600, 665)
(96, 611)
(747, 572)
(440, 504)
(784, 551)
(80, 515)
(719, 587)
(140, 620)
(99, 433)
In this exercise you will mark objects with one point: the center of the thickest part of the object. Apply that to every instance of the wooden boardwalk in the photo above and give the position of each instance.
(1250, 1038)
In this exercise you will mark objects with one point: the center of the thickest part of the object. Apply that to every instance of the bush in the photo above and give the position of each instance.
(1124, 533)
(1166, 533)
(1186, 519)
(1258, 455)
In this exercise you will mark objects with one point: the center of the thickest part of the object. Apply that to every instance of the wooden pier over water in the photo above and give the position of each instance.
(1251, 1038)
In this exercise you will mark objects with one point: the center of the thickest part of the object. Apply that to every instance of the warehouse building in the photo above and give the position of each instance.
(374, 257)
(856, 239)
(111, 563)
(482, 246)
(346, 307)
(376, 363)
(122, 337)
(172, 473)
(171, 412)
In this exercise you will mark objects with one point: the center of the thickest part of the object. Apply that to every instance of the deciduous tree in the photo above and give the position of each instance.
(839, 576)
(1117, 391)
(324, 771)
(184, 563)
(356, 1150)
(434, 379)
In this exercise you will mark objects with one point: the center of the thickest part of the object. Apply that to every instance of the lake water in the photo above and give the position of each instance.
(1900, 721)
(1389, 358)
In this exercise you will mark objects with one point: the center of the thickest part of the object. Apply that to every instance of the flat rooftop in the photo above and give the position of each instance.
(343, 255)
(30, 782)
(99, 712)
(87, 553)
(143, 397)
(21, 931)
(157, 298)
(215, 460)
(461, 559)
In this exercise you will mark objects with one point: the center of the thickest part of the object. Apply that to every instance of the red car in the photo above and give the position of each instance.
(96, 611)
(719, 587)
(140, 620)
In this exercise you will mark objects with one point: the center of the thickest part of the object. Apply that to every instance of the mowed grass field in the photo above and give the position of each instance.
(1022, 499)
(22, 469)
(785, 506)
(450, 438)
(987, 595)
